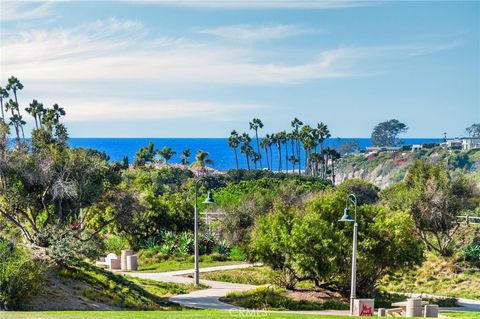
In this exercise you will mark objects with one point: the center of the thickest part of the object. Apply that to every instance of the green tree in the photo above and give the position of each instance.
(185, 156)
(35, 110)
(296, 124)
(265, 143)
(255, 124)
(348, 147)
(15, 86)
(234, 142)
(246, 148)
(386, 133)
(3, 95)
(144, 155)
(473, 130)
(435, 200)
(166, 153)
(202, 159)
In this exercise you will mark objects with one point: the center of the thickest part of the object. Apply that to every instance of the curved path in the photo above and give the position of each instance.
(205, 298)
(209, 297)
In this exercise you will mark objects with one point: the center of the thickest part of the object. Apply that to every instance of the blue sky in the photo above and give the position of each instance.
(201, 68)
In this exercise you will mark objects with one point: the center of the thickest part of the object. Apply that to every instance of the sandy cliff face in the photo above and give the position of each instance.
(385, 169)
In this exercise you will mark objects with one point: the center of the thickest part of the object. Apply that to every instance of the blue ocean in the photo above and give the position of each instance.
(218, 148)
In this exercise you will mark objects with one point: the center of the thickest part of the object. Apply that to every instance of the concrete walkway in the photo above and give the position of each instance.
(205, 298)
(209, 298)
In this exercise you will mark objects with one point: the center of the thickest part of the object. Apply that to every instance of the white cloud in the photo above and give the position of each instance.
(18, 10)
(254, 33)
(120, 109)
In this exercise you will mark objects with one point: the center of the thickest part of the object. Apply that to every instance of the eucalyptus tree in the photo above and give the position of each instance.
(202, 159)
(166, 153)
(255, 124)
(265, 143)
(3, 95)
(246, 148)
(35, 110)
(185, 156)
(296, 124)
(234, 142)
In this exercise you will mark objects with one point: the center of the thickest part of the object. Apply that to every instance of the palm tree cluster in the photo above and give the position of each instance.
(150, 155)
(290, 146)
(48, 118)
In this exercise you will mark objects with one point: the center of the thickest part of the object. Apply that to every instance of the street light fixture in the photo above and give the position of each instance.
(208, 200)
(348, 218)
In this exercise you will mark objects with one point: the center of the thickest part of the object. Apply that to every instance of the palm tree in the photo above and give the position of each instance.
(17, 121)
(306, 137)
(57, 112)
(282, 140)
(264, 144)
(166, 153)
(255, 158)
(185, 156)
(233, 142)
(323, 134)
(255, 124)
(292, 159)
(15, 85)
(3, 95)
(201, 160)
(246, 148)
(296, 124)
(11, 106)
(35, 110)
(48, 119)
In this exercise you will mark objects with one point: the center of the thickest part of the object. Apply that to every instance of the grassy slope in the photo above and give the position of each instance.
(200, 314)
(437, 276)
(249, 276)
(88, 287)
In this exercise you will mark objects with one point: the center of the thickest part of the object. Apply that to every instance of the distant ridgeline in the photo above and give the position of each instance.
(385, 166)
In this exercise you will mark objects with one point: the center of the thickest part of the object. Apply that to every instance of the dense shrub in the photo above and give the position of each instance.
(20, 276)
(310, 243)
(115, 244)
(472, 252)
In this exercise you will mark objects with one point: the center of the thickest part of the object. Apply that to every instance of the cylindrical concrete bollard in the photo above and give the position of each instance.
(123, 259)
(132, 262)
(414, 308)
(382, 312)
(431, 311)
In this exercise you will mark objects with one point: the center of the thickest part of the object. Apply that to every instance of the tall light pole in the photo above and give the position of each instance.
(348, 218)
(208, 200)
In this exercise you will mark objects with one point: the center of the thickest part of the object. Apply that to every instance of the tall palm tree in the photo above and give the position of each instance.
(201, 160)
(246, 148)
(11, 106)
(255, 158)
(306, 137)
(35, 110)
(185, 156)
(296, 124)
(17, 121)
(264, 144)
(57, 112)
(282, 139)
(292, 158)
(234, 142)
(166, 153)
(3, 95)
(15, 85)
(255, 124)
(323, 134)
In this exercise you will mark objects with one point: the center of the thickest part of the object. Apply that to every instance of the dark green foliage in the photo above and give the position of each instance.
(20, 277)
(348, 147)
(365, 192)
(386, 133)
(472, 252)
(239, 175)
(269, 298)
(311, 243)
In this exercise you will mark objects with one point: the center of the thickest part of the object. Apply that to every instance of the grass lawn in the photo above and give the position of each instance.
(187, 314)
(250, 276)
(182, 264)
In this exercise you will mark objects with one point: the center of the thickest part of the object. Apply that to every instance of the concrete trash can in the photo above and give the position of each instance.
(363, 307)
(123, 258)
(132, 263)
(414, 308)
(431, 311)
